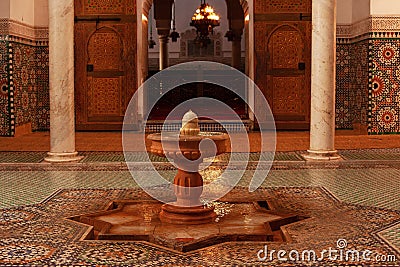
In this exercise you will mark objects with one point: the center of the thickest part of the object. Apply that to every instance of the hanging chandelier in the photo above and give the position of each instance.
(204, 20)
(151, 43)
(174, 34)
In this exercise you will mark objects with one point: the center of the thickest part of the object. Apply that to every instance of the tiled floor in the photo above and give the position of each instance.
(39, 234)
(366, 183)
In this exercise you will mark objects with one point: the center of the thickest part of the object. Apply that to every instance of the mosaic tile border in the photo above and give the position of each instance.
(370, 69)
(7, 113)
(11, 87)
(391, 235)
(374, 26)
(21, 32)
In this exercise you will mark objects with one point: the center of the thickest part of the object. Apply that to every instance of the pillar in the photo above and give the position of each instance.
(323, 81)
(236, 53)
(163, 40)
(61, 76)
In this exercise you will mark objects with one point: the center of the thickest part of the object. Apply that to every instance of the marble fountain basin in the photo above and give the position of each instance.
(165, 145)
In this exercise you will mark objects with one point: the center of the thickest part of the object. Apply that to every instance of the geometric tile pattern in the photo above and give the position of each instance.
(351, 84)
(359, 81)
(371, 154)
(8, 217)
(20, 246)
(344, 100)
(110, 156)
(384, 84)
(392, 235)
(5, 116)
(119, 157)
(24, 253)
(22, 157)
(370, 186)
(28, 187)
(31, 70)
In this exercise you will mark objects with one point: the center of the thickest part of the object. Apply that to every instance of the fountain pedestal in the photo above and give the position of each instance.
(188, 183)
(188, 187)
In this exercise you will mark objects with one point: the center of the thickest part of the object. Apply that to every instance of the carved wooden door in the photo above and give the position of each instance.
(288, 77)
(105, 48)
(282, 30)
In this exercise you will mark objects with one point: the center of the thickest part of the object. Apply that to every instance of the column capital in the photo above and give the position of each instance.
(163, 38)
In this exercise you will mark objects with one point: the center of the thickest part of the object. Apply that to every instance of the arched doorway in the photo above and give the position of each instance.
(105, 63)
(235, 14)
(282, 62)
(185, 92)
(288, 83)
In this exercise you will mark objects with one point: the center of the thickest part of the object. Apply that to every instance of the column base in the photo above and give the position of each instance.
(187, 215)
(54, 157)
(321, 155)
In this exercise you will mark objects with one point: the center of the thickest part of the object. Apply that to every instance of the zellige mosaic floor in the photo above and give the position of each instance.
(33, 194)
(40, 235)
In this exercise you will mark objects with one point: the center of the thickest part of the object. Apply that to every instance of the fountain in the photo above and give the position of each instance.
(186, 224)
(188, 183)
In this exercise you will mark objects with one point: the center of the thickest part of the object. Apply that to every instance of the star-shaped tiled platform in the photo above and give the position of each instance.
(139, 220)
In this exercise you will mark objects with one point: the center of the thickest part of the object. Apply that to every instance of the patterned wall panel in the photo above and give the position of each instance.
(344, 116)
(105, 7)
(384, 85)
(282, 6)
(5, 103)
(42, 84)
(351, 84)
(31, 86)
(105, 94)
(359, 81)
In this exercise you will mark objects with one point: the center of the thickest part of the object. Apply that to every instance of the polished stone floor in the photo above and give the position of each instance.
(356, 199)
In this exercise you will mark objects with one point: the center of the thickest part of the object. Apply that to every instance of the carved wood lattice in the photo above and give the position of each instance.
(104, 6)
(105, 50)
(105, 96)
(282, 6)
(287, 95)
(286, 47)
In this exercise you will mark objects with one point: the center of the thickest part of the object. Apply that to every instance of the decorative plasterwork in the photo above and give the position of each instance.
(373, 24)
(24, 33)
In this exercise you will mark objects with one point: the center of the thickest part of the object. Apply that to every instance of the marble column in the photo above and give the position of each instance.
(163, 40)
(61, 76)
(323, 81)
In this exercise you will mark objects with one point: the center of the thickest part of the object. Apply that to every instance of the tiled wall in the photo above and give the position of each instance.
(31, 80)
(359, 81)
(351, 84)
(384, 95)
(344, 114)
(24, 94)
(6, 122)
